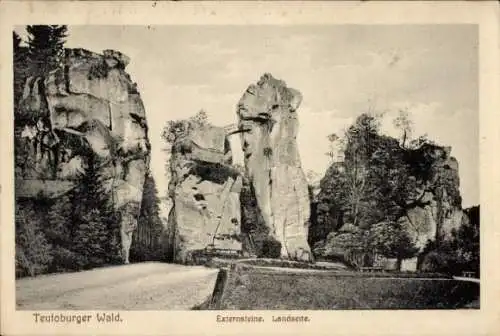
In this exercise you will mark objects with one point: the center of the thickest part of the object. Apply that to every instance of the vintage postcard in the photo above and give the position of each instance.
(264, 168)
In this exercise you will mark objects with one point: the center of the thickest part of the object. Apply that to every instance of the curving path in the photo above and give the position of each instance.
(144, 286)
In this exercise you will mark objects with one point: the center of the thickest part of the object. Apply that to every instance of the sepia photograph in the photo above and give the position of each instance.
(304, 167)
(261, 172)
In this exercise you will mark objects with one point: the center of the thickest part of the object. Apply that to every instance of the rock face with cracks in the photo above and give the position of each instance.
(435, 210)
(88, 104)
(205, 190)
(268, 120)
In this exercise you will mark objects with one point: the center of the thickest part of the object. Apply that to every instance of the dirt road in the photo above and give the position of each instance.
(144, 286)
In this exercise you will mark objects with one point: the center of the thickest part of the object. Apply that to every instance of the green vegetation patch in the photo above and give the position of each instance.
(257, 289)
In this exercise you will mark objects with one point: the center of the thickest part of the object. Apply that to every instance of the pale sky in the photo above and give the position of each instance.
(341, 71)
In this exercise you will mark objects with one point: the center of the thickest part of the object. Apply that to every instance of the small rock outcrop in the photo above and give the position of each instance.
(85, 113)
(205, 190)
(268, 122)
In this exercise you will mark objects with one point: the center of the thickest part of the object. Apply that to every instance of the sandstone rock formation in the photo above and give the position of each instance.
(425, 201)
(88, 105)
(205, 191)
(268, 120)
(436, 208)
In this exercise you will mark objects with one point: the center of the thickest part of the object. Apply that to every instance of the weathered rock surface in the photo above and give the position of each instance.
(436, 208)
(267, 114)
(205, 190)
(428, 210)
(421, 224)
(87, 107)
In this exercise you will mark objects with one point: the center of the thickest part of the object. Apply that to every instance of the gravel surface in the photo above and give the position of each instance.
(144, 286)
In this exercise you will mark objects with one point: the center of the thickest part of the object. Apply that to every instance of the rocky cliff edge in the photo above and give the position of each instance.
(87, 112)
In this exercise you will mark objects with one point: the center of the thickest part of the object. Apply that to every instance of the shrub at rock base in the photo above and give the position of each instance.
(271, 248)
(33, 255)
(437, 261)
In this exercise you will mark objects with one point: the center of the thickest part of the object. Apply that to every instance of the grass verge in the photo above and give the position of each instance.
(249, 288)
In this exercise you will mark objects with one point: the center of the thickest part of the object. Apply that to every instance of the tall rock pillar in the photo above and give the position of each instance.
(267, 114)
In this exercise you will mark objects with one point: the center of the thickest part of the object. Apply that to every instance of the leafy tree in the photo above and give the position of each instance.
(391, 181)
(271, 248)
(460, 252)
(361, 140)
(442, 257)
(200, 118)
(46, 47)
(419, 142)
(392, 241)
(468, 239)
(347, 246)
(331, 204)
(335, 143)
(346, 192)
(404, 123)
(176, 129)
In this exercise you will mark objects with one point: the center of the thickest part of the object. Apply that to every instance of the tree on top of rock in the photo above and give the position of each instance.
(404, 123)
(200, 118)
(361, 142)
(46, 47)
(175, 129)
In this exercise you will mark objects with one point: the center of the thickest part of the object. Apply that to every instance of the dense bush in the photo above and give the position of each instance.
(457, 253)
(271, 248)
(80, 230)
(63, 260)
(33, 251)
(440, 261)
(76, 231)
